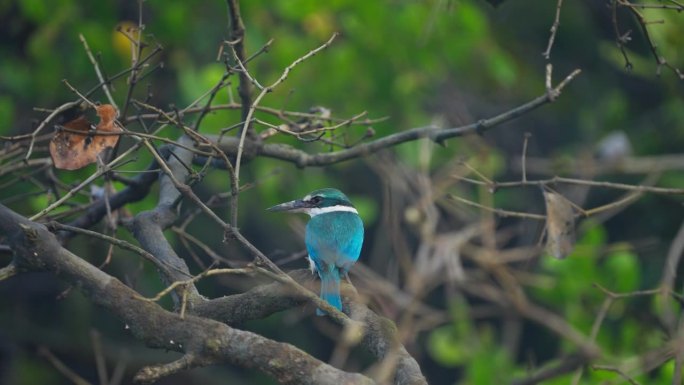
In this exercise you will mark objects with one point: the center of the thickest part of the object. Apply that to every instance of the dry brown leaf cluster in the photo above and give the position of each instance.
(79, 142)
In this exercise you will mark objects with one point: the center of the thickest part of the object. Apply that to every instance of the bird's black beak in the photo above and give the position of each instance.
(292, 206)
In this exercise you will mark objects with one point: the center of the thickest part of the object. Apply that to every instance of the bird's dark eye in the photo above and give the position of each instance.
(316, 200)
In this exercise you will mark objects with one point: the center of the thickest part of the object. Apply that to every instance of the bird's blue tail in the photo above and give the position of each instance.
(330, 289)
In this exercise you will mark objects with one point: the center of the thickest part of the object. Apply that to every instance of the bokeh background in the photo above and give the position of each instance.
(414, 63)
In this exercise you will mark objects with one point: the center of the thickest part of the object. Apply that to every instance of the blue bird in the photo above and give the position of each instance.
(334, 236)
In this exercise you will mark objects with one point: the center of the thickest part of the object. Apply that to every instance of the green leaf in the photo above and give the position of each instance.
(446, 348)
(621, 271)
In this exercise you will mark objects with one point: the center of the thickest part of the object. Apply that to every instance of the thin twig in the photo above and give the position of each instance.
(194, 279)
(580, 182)
(237, 35)
(45, 121)
(62, 368)
(117, 242)
(524, 155)
(554, 29)
(669, 275)
(643, 23)
(100, 171)
(635, 293)
(630, 198)
(616, 370)
(500, 212)
(100, 363)
(103, 81)
(207, 107)
(79, 94)
(279, 113)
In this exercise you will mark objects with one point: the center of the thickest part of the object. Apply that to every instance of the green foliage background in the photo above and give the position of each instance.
(413, 62)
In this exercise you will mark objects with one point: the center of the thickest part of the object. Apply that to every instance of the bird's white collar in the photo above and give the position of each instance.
(332, 209)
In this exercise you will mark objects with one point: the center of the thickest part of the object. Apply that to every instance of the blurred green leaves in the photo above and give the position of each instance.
(475, 348)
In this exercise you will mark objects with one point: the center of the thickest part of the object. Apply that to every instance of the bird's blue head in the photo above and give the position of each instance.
(318, 202)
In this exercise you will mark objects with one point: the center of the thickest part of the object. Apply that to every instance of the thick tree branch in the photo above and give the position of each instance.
(379, 336)
(150, 374)
(257, 303)
(148, 226)
(381, 339)
(203, 341)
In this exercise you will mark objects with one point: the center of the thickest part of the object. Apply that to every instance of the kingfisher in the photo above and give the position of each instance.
(334, 236)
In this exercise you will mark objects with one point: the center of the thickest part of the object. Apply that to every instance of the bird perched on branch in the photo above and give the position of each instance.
(334, 236)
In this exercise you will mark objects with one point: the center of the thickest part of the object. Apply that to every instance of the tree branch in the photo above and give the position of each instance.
(251, 149)
(379, 335)
(237, 37)
(148, 226)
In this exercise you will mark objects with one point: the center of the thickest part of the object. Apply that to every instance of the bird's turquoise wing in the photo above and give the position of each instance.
(333, 241)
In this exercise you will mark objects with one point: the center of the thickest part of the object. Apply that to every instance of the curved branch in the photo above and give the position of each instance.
(257, 303)
(379, 337)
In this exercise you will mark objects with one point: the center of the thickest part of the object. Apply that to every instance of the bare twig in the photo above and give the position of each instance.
(667, 281)
(494, 185)
(62, 368)
(117, 242)
(237, 36)
(194, 279)
(45, 121)
(616, 370)
(207, 107)
(524, 154)
(279, 113)
(568, 364)
(103, 81)
(643, 23)
(554, 30)
(500, 212)
(79, 94)
(99, 357)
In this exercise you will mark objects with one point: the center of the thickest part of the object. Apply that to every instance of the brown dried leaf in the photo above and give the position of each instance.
(77, 145)
(560, 225)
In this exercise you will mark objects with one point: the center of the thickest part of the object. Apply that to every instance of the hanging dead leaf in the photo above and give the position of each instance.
(560, 225)
(78, 143)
